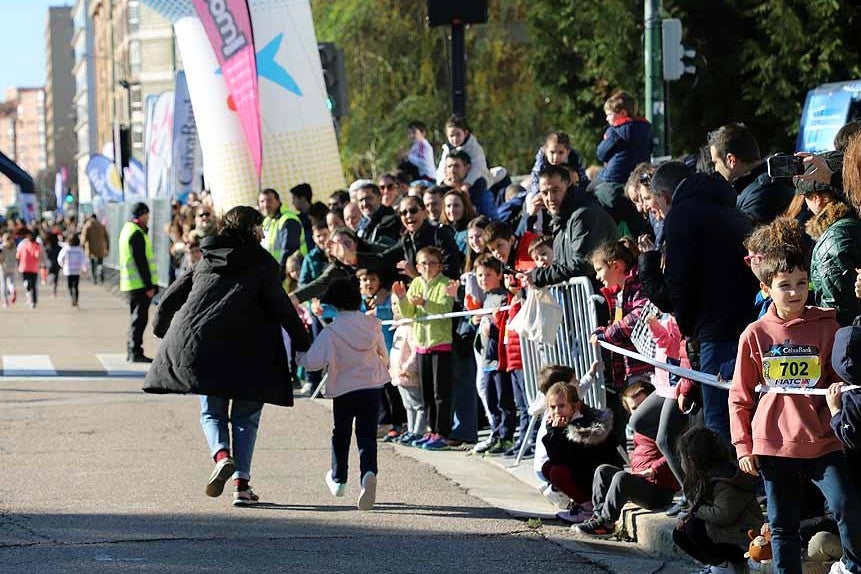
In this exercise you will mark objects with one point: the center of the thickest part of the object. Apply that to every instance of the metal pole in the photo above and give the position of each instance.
(655, 106)
(458, 69)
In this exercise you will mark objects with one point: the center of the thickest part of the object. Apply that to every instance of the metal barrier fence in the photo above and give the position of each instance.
(159, 219)
(571, 347)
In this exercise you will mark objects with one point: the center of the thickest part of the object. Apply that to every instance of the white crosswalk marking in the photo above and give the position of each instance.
(28, 366)
(116, 365)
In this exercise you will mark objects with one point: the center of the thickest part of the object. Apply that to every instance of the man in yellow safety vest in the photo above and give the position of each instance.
(282, 229)
(138, 277)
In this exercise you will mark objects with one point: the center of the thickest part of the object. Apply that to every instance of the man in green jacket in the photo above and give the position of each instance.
(138, 278)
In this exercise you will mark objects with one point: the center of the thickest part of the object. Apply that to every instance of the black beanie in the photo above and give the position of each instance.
(140, 208)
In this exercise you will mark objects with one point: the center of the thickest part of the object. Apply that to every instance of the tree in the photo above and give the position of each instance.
(397, 71)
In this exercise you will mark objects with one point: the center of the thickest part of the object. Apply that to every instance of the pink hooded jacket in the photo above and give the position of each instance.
(353, 348)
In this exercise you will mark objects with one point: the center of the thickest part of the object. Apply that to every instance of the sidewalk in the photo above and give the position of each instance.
(516, 493)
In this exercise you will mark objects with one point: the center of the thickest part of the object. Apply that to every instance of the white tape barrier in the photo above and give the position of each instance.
(712, 380)
(454, 315)
(697, 376)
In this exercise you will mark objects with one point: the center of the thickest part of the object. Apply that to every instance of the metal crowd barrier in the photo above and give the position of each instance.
(571, 347)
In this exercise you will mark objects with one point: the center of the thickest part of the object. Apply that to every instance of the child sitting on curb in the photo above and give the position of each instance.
(649, 484)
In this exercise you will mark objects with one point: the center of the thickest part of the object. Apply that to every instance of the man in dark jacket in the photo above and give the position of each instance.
(711, 288)
(379, 223)
(735, 154)
(578, 225)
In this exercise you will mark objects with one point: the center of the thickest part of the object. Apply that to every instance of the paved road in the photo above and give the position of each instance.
(100, 477)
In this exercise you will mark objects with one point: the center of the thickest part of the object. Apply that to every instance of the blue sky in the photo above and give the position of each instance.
(22, 41)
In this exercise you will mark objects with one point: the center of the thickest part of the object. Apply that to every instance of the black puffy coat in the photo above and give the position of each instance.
(762, 198)
(711, 288)
(221, 326)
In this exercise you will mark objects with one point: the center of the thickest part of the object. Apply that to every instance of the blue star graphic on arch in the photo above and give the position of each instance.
(268, 68)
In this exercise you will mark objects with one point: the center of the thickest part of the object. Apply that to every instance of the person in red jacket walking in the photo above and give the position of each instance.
(649, 484)
(30, 255)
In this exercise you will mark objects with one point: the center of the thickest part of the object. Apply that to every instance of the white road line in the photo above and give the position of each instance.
(116, 365)
(28, 366)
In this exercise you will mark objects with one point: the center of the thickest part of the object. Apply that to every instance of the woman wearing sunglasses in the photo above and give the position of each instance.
(419, 232)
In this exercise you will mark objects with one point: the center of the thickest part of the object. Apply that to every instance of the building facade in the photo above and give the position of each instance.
(22, 123)
(86, 127)
(60, 93)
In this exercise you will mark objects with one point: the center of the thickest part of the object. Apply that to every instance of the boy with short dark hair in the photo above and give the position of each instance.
(785, 435)
(495, 386)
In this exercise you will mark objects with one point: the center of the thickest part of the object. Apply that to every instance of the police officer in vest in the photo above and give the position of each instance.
(138, 277)
(282, 229)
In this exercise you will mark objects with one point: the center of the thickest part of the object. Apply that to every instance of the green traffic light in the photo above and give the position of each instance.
(70, 198)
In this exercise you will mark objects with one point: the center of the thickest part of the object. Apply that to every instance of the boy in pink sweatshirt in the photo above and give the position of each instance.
(784, 434)
(353, 349)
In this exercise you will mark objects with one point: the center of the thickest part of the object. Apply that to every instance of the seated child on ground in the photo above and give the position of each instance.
(649, 484)
(579, 439)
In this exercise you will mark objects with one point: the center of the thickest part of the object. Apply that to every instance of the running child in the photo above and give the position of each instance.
(352, 347)
(74, 262)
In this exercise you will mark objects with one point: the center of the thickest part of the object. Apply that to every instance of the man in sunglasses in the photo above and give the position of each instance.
(379, 224)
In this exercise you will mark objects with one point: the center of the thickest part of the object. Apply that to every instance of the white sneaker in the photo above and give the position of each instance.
(222, 471)
(704, 570)
(368, 494)
(558, 499)
(336, 488)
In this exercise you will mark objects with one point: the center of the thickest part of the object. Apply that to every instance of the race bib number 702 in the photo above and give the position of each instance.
(792, 366)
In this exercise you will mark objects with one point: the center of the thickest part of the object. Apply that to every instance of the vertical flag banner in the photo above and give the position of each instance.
(185, 144)
(159, 147)
(59, 191)
(228, 27)
(299, 143)
(28, 207)
(134, 180)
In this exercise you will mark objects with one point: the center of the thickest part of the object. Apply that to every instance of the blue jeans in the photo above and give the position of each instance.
(363, 406)
(715, 400)
(464, 416)
(244, 417)
(831, 475)
(518, 385)
(500, 400)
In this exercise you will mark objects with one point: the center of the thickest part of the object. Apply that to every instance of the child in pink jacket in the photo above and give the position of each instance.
(30, 256)
(353, 349)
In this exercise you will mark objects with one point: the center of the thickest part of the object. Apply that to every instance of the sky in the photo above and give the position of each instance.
(22, 42)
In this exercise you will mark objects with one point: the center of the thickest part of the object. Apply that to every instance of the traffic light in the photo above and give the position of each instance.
(673, 51)
(70, 198)
(332, 61)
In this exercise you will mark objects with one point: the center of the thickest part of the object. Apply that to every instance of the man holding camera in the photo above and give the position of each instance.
(735, 155)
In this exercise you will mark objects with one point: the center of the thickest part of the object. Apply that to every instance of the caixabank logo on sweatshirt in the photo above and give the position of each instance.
(791, 366)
